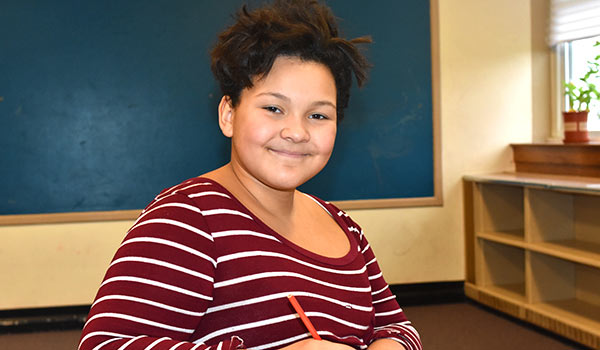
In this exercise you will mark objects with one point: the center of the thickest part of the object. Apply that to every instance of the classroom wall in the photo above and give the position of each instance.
(541, 87)
(486, 103)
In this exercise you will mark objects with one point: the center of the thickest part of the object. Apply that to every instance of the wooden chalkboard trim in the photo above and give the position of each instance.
(436, 101)
(389, 203)
(58, 218)
(117, 215)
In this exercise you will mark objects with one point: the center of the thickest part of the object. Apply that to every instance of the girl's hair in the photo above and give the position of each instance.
(299, 28)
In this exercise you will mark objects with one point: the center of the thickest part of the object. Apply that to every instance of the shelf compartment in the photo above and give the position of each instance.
(500, 270)
(565, 290)
(499, 209)
(566, 225)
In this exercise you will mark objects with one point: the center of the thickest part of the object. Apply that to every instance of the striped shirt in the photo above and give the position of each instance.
(198, 270)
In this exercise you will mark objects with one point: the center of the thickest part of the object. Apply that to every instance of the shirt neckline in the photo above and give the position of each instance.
(343, 260)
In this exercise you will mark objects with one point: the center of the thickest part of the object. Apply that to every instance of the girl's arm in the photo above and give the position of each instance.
(159, 283)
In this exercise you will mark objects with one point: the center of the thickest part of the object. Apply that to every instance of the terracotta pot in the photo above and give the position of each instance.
(576, 127)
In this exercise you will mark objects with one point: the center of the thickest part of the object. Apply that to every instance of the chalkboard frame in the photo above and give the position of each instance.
(435, 200)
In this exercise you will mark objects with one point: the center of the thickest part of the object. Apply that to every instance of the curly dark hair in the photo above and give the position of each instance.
(299, 28)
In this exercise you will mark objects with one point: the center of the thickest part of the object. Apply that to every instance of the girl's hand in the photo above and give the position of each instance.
(385, 344)
(313, 344)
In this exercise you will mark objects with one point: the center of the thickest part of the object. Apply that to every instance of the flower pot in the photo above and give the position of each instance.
(576, 127)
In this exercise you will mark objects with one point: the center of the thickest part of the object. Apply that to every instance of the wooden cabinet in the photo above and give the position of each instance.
(533, 250)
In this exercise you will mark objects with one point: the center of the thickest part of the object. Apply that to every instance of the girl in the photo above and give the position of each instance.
(210, 262)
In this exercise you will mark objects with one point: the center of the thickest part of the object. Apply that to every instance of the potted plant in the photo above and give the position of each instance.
(580, 96)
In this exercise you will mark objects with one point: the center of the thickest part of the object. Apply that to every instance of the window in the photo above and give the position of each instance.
(576, 55)
(574, 28)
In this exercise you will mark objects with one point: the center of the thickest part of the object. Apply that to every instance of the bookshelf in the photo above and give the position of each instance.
(533, 250)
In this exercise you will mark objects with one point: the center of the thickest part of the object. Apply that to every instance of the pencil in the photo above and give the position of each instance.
(303, 317)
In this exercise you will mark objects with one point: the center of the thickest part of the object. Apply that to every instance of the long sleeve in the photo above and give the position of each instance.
(159, 283)
(390, 321)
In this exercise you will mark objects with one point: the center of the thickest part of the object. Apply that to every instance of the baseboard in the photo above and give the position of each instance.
(43, 319)
(73, 317)
(429, 293)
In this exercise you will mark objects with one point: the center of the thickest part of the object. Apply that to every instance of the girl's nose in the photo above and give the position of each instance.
(295, 130)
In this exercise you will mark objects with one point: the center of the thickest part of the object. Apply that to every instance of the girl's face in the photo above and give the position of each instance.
(284, 128)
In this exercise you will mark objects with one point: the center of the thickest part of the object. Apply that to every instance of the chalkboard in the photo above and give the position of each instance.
(105, 103)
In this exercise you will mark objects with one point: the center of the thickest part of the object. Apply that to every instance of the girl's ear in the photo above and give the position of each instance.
(226, 116)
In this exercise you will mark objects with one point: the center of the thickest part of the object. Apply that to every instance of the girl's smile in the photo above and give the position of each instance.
(290, 154)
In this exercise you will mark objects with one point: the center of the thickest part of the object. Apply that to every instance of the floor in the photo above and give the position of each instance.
(468, 325)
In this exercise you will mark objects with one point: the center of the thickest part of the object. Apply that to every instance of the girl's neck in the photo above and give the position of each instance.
(256, 196)
(289, 213)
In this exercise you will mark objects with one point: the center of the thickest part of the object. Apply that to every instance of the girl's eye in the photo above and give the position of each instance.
(272, 109)
(318, 116)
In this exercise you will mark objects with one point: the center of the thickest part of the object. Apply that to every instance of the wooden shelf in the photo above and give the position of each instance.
(497, 299)
(534, 242)
(578, 311)
(514, 238)
(587, 253)
(589, 185)
(579, 318)
(514, 292)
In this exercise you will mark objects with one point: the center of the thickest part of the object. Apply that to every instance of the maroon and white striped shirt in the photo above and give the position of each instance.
(199, 270)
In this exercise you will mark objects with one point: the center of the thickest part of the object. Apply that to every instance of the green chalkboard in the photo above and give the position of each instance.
(105, 103)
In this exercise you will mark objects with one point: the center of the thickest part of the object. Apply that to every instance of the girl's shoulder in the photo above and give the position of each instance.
(334, 211)
(202, 192)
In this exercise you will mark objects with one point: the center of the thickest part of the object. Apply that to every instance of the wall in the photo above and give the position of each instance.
(540, 73)
(486, 103)
(57, 264)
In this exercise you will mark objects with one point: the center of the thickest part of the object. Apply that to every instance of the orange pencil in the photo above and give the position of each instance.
(303, 317)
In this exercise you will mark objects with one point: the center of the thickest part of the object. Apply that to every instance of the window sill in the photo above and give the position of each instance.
(581, 159)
